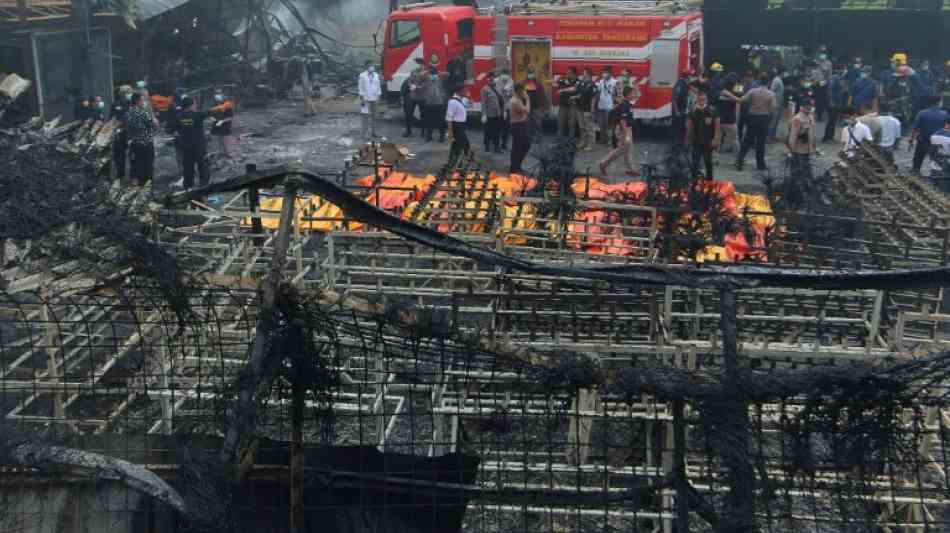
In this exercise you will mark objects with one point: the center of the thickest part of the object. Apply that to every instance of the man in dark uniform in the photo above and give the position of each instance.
(702, 133)
(120, 142)
(680, 104)
(567, 92)
(412, 96)
(194, 146)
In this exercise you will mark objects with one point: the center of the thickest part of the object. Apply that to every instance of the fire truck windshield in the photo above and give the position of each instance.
(404, 33)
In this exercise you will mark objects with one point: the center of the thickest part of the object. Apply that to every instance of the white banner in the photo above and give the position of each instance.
(602, 53)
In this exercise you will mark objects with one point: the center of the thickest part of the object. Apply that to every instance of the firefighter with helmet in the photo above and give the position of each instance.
(715, 83)
(889, 76)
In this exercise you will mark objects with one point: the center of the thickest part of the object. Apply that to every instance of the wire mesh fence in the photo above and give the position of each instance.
(431, 374)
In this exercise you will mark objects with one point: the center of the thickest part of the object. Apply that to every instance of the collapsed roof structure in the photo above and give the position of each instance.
(468, 351)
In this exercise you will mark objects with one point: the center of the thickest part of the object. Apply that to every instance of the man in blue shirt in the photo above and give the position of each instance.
(680, 104)
(837, 101)
(863, 92)
(940, 164)
(928, 122)
(853, 72)
(922, 87)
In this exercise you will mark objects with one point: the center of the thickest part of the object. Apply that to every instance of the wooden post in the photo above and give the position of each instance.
(739, 510)
(254, 203)
(297, 463)
(579, 427)
(307, 86)
(243, 414)
(679, 466)
(51, 344)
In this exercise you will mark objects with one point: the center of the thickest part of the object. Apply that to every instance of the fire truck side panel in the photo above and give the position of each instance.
(595, 43)
(484, 59)
(445, 31)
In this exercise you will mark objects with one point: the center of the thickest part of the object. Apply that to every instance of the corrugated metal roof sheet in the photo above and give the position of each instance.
(152, 8)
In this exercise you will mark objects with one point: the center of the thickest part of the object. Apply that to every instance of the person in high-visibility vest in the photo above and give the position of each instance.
(221, 130)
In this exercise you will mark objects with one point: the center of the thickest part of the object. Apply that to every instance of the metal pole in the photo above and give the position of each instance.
(82, 12)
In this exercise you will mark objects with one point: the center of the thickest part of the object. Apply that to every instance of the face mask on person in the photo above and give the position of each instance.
(101, 105)
(128, 98)
(218, 98)
(864, 75)
(530, 75)
(433, 77)
(371, 69)
(822, 57)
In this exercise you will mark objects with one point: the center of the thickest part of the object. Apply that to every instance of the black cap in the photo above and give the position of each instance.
(186, 102)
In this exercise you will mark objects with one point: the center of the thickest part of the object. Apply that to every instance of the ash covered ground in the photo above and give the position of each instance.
(280, 133)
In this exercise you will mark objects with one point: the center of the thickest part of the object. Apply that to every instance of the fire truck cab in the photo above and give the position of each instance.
(655, 40)
(434, 33)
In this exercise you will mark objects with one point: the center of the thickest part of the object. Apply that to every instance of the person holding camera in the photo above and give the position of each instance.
(802, 138)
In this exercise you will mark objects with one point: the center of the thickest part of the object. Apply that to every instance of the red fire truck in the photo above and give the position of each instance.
(655, 39)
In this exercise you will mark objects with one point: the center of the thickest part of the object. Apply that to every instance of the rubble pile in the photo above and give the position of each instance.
(11, 87)
(87, 141)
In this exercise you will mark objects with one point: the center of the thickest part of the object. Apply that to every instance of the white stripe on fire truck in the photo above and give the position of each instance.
(637, 53)
(404, 70)
(483, 51)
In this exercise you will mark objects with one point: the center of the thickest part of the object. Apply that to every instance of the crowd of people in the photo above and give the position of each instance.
(713, 113)
(141, 115)
(779, 105)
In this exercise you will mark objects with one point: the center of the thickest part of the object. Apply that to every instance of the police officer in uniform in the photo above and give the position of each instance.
(194, 146)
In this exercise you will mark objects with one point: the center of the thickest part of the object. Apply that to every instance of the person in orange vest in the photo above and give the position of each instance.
(221, 129)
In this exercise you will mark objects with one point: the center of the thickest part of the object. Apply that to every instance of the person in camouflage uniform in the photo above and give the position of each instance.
(898, 95)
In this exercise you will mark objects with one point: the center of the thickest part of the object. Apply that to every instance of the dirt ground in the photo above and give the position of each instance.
(280, 133)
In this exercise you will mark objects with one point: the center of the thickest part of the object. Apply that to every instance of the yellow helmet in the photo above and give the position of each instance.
(899, 58)
(715, 67)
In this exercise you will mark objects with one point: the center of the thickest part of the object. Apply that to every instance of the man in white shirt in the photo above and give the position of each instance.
(370, 92)
(456, 115)
(890, 131)
(605, 102)
(940, 157)
(853, 133)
